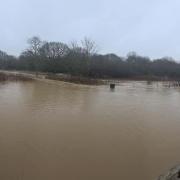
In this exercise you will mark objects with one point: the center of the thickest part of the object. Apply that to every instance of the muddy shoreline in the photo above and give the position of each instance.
(13, 77)
(29, 76)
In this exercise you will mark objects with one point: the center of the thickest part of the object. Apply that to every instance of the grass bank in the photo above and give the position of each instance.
(13, 77)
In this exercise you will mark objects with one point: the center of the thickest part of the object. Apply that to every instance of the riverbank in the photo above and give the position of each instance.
(27, 76)
(24, 76)
(74, 79)
(13, 77)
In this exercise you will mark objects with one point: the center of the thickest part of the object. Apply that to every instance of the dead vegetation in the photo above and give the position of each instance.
(13, 77)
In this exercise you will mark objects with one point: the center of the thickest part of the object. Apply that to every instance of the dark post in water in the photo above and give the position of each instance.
(112, 86)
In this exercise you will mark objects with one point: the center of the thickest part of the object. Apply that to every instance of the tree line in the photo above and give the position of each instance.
(84, 60)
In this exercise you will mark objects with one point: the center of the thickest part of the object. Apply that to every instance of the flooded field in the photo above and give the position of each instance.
(53, 131)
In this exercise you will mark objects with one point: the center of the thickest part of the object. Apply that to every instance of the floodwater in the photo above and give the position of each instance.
(54, 131)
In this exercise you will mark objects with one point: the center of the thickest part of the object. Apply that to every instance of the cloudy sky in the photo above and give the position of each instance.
(149, 27)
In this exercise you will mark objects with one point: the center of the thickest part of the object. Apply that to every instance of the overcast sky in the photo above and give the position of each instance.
(149, 27)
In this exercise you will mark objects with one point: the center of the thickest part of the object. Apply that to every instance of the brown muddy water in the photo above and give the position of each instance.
(52, 131)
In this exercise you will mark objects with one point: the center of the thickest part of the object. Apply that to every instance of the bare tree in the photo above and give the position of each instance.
(75, 48)
(35, 45)
(26, 53)
(54, 49)
(73, 44)
(89, 46)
